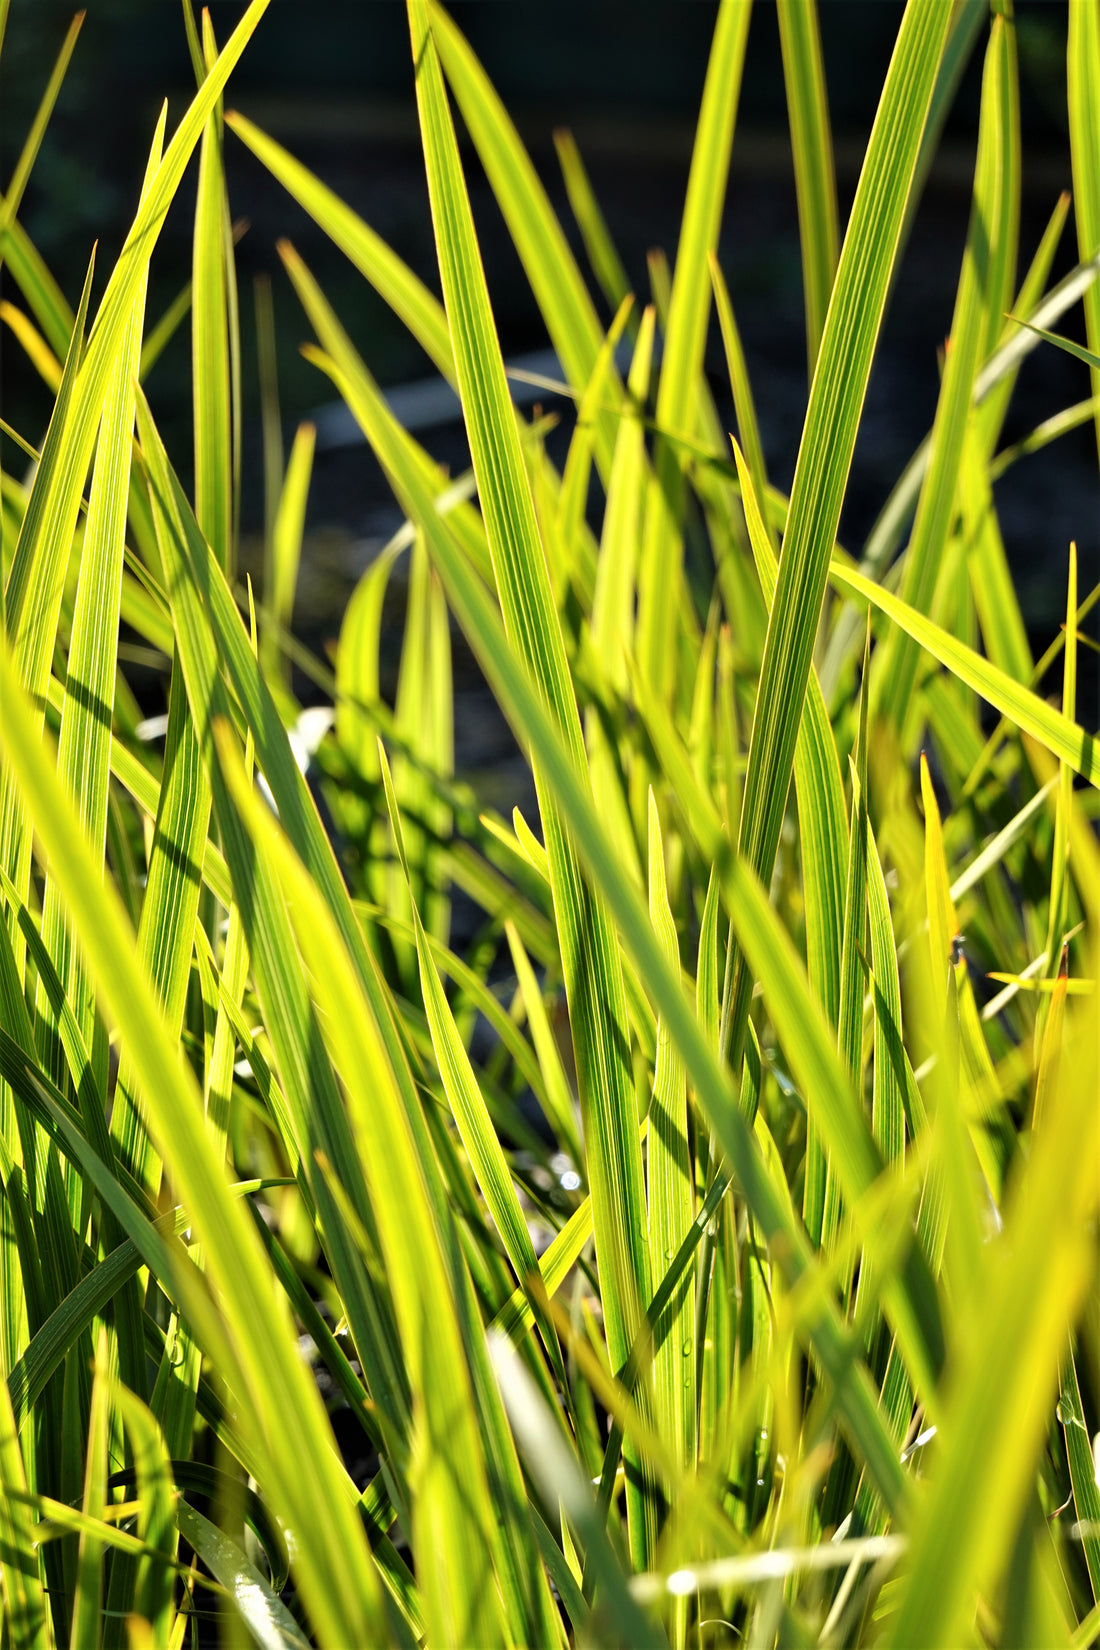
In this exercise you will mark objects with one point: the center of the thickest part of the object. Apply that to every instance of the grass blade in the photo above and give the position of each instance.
(407, 296)
(659, 595)
(526, 710)
(283, 1405)
(982, 291)
(1083, 67)
(811, 143)
(1063, 738)
(590, 955)
(828, 439)
(548, 262)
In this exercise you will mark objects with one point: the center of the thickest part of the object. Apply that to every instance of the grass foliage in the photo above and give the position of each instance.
(736, 1283)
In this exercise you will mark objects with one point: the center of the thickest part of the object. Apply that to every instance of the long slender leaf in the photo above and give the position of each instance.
(590, 956)
(828, 439)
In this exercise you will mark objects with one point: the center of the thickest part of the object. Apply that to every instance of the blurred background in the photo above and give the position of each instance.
(332, 81)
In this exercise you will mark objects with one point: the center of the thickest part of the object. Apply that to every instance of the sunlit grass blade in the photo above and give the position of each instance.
(670, 1194)
(35, 347)
(850, 1018)
(25, 1611)
(406, 295)
(828, 439)
(659, 575)
(34, 624)
(548, 261)
(981, 295)
(614, 597)
(1083, 68)
(606, 264)
(1064, 739)
(467, 1103)
(270, 1622)
(1082, 1468)
(424, 723)
(995, 403)
(590, 957)
(287, 530)
(560, 1106)
(210, 341)
(525, 708)
(84, 744)
(748, 428)
(451, 1509)
(1057, 923)
(311, 1118)
(812, 146)
(824, 835)
(88, 1594)
(168, 912)
(17, 183)
(1033, 1281)
(572, 507)
(283, 1405)
(960, 1149)
(558, 1475)
(44, 297)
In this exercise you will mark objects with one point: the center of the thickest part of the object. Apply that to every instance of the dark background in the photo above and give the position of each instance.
(332, 81)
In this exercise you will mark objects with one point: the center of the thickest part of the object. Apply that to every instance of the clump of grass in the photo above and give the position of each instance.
(779, 1328)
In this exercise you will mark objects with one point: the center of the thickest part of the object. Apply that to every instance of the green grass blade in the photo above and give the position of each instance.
(824, 844)
(525, 708)
(559, 1104)
(27, 1378)
(210, 343)
(1086, 355)
(828, 439)
(168, 912)
(22, 573)
(358, 685)
(44, 297)
(1063, 738)
(671, 1194)
(1057, 922)
(888, 1075)
(84, 745)
(590, 955)
(824, 827)
(266, 1616)
(33, 624)
(1033, 1281)
(613, 599)
(483, 1149)
(29, 153)
(548, 262)
(407, 296)
(27, 1621)
(995, 403)
(982, 292)
(88, 1593)
(154, 1581)
(606, 264)
(288, 527)
(850, 1020)
(659, 598)
(283, 1408)
(1082, 1469)
(744, 406)
(1083, 68)
(556, 1471)
(311, 1118)
(451, 1511)
(812, 146)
